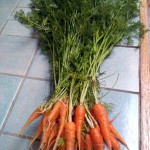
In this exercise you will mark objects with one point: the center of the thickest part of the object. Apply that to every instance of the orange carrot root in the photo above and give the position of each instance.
(97, 139)
(38, 132)
(115, 144)
(63, 113)
(37, 113)
(79, 120)
(88, 142)
(117, 135)
(70, 129)
(102, 117)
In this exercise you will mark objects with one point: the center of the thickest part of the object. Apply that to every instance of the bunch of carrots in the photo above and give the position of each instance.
(58, 133)
(78, 36)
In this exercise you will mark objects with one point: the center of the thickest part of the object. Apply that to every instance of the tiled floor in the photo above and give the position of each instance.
(24, 74)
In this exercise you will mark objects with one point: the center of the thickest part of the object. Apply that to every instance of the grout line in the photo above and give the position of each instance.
(27, 77)
(32, 37)
(127, 46)
(119, 90)
(18, 92)
(17, 135)
(14, 7)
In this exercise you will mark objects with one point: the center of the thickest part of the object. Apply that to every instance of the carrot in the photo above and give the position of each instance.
(115, 144)
(92, 113)
(97, 126)
(49, 120)
(79, 119)
(97, 139)
(54, 113)
(88, 142)
(52, 135)
(102, 117)
(63, 113)
(47, 126)
(70, 129)
(38, 132)
(117, 135)
(82, 143)
(37, 112)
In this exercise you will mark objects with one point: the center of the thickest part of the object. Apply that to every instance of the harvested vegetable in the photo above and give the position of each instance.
(78, 36)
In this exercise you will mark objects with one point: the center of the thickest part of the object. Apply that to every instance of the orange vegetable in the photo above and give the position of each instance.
(38, 132)
(52, 136)
(97, 140)
(117, 135)
(79, 120)
(88, 142)
(82, 143)
(32, 117)
(70, 132)
(102, 117)
(115, 144)
(97, 126)
(54, 113)
(63, 113)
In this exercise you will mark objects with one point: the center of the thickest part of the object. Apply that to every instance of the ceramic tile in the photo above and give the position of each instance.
(4, 13)
(14, 27)
(24, 3)
(8, 2)
(125, 63)
(8, 89)
(31, 96)
(127, 122)
(14, 143)
(40, 67)
(16, 54)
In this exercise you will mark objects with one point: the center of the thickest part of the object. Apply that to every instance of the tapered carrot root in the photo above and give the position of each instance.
(54, 113)
(97, 126)
(52, 136)
(63, 113)
(79, 120)
(70, 129)
(37, 113)
(102, 117)
(117, 135)
(82, 143)
(115, 144)
(88, 142)
(97, 139)
(38, 132)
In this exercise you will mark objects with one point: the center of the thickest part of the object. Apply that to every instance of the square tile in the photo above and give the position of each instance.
(16, 54)
(24, 3)
(125, 62)
(15, 143)
(4, 13)
(127, 122)
(31, 96)
(14, 27)
(8, 89)
(40, 67)
(8, 2)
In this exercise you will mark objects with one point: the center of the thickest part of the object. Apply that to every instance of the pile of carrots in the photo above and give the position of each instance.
(77, 36)
(58, 133)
